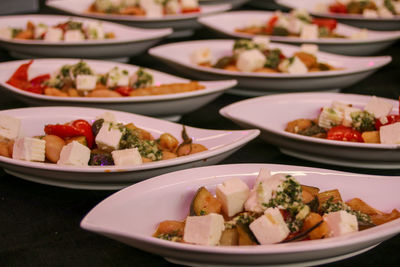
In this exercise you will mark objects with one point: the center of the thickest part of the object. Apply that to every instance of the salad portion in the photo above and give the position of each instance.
(69, 31)
(277, 209)
(298, 23)
(373, 123)
(366, 8)
(256, 56)
(80, 143)
(148, 8)
(80, 80)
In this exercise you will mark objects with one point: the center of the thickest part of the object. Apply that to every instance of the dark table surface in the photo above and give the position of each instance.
(39, 224)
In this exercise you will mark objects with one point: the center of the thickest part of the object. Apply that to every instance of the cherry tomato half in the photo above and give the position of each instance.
(343, 133)
(327, 23)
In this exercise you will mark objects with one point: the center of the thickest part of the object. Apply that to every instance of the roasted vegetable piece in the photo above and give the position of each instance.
(170, 230)
(96, 126)
(332, 195)
(204, 203)
(246, 237)
(319, 227)
(224, 61)
(229, 237)
(54, 145)
(100, 158)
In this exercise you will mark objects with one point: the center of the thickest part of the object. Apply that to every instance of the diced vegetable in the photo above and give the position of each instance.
(204, 203)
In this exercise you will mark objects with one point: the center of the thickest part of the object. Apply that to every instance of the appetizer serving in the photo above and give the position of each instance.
(256, 56)
(148, 8)
(277, 209)
(69, 31)
(366, 8)
(104, 142)
(298, 23)
(343, 122)
(80, 80)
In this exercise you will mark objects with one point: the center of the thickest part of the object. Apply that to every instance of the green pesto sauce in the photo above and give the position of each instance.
(330, 206)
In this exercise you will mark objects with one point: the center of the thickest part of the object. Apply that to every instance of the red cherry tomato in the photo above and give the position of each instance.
(343, 133)
(271, 24)
(390, 119)
(327, 23)
(123, 90)
(20, 77)
(76, 128)
(338, 8)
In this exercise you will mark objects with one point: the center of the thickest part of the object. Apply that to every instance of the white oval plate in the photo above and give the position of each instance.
(128, 41)
(163, 106)
(117, 216)
(271, 114)
(226, 23)
(356, 68)
(180, 22)
(220, 145)
(351, 19)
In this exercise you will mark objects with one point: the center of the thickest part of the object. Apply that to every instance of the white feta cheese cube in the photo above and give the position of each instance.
(201, 56)
(189, 4)
(341, 222)
(339, 105)
(107, 116)
(94, 31)
(9, 127)
(309, 48)
(74, 36)
(378, 107)
(262, 41)
(108, 137)
(282, 21)
(6, 33)
(265, 188)
(53, 35)
(254, 22)
(74, 154)
(296, 25)
(383, 12)
(153, 8)
(233, 193)
(309, 31)
(40, 31)
(270, 228)
(117, 77)
(360, 35)
(330, 117)
(390, 134)
(250, 60)
(370, 13)
(284, 65)
(347, 119)
(297, 67)
(85, 82)
(172, 7)
(204, 230)
(28, 148)
(127, 157)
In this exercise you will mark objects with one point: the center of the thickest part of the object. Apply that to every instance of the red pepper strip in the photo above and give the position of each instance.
(271, 24)
(38, 80)
(190, 10)
(123, 90)
(343, 133)
(20, 77)
(390, 120)
(37, 86)
(327, 23)
(86, 129)
(76, 128)
(338, 8)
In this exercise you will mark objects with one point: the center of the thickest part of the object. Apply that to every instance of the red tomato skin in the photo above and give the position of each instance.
(76, 128)
(390, 120)
(123, 90)
(343, 133)
(271, 24)
(338, 8)
(331, 24)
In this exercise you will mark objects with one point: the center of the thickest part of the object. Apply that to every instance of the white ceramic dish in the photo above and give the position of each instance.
(227, 23)
(169, 106)
(351, 19)
(270, 114)
(356, 68)
(129, 41)
(183, 24)
(117, 216)
(220, 145)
